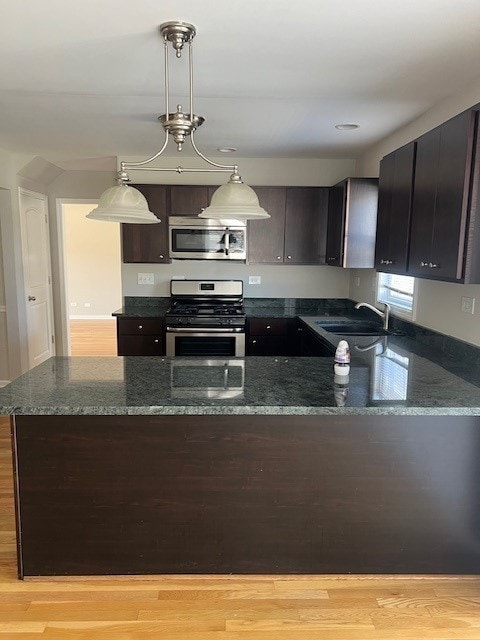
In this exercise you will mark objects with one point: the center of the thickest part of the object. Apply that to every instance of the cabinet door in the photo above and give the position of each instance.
(394, 210)
(187, 200)
(148, 242)
(306, 225)
(336, 224)
(454, 166)
(266, 237)
(140, 345)
(440, 202)
(314, 346)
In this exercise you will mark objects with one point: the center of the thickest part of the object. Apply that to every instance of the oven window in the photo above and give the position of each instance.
(206, 240)
(204, 346)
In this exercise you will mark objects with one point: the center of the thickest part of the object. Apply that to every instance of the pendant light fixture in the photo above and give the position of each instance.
(235, 199)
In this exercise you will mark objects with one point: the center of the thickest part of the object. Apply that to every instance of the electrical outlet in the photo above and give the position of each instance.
(254, 279)
(468, 305)
(357, 281)
(73, 304)
(87, 304)
(145, 278)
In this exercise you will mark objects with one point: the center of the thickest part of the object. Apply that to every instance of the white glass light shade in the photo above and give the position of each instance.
(123, 204)
(234, 200)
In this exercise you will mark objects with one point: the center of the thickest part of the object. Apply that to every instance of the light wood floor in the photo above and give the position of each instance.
(93, 337)
(226, 608)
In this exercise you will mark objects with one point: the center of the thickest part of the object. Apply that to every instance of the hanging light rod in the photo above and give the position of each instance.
(232, 200)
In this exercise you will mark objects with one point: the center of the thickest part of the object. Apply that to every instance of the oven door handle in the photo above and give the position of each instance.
(205, 330)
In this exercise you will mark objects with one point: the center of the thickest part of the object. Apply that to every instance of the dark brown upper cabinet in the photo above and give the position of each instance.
(306, 225)
(296, 230)
(395, 192)
(266, 238)
(188, 200)
(444, 237)
(148, 242)
(351, 227)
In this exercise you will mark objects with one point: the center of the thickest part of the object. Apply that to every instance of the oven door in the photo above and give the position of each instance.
(206, 342)
(207, 243)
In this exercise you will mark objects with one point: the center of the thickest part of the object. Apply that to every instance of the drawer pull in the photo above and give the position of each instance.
(161, 256)
(254, 342)
(279, 257)
(433, 265)
(268, 326)
(156, 340)
(424, 264)
(140, 326)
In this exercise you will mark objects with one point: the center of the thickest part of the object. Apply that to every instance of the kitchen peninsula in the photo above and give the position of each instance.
(247, 465)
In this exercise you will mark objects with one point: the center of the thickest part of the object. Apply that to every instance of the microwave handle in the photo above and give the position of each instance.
(227, 241)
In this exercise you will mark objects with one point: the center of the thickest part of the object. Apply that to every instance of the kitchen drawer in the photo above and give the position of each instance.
(140, 326)
(140, 345)
(268, 326)
(268, 346)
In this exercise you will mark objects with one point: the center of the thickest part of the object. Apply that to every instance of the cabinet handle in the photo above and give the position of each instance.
(269, 326)
(202, 209)
(279, 257)
(289, 257)
(140, 326)
(254, 342)
(388, 262)
(433, 265)
(156, 340)
(161, 256)
(330, 259)
(299, 329)
(382, 261)
(424, 264)
(31, 298)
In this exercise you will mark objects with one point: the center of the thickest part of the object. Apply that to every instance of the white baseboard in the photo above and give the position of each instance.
(75, 317)
(3, 383)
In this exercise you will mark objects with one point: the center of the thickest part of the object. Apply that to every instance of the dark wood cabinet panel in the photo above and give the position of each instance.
(140, 345)
(270, 336)
(188, 200)
(394, 210)
(306, 225)
(336, 224)
(266, 237)
(312, 345)
(352, 223)
(140, 336)
(441, 198)
(148, 242)
(114, 494)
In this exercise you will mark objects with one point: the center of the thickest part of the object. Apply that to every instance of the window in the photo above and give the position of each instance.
(398, 292)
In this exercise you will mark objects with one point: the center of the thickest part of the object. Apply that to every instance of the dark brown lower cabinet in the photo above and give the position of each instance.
(266, 494)
(140, 336)
(313, 345)
(271, 337)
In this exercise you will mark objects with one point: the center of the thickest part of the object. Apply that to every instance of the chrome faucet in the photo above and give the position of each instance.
(385, 315)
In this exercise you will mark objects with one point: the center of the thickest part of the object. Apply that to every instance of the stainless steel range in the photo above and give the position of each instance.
(207, 318)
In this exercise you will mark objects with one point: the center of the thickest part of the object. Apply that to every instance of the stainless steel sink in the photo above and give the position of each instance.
(353, 329)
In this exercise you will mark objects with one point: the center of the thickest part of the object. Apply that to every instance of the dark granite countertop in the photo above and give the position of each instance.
(384, 380)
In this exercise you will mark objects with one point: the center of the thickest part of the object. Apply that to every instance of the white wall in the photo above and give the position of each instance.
(438, 303)
(71, 185)
(277, 281)
(93, 263)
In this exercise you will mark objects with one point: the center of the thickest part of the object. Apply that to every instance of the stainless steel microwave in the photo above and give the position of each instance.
(193, 238)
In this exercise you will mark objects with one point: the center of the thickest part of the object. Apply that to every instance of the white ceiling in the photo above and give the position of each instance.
(272, 77)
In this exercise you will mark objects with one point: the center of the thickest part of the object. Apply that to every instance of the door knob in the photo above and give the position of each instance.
(31, 298)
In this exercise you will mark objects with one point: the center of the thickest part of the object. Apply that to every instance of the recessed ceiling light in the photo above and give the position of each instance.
(346, 127)
(227, 149)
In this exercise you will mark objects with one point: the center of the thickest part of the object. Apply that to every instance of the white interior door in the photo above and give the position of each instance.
(37, 275)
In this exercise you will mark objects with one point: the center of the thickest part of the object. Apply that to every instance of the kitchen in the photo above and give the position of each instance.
(438, 303)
